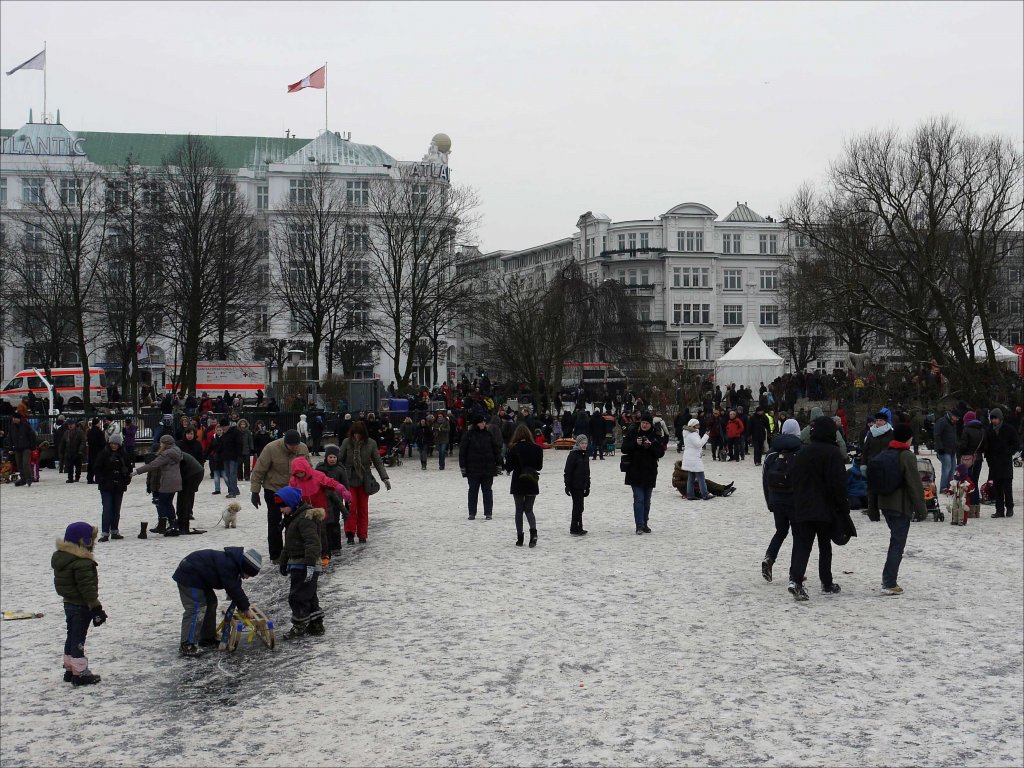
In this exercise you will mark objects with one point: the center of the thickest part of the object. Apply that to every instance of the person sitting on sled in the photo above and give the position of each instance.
(198, 575)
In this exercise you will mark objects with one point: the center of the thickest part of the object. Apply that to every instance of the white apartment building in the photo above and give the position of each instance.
(266, 171)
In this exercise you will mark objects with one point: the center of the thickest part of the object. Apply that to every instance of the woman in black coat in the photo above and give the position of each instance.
(577, 483)
(424, 439)
(641, 450)
(95, 441)
(113, 471)
(524, 460)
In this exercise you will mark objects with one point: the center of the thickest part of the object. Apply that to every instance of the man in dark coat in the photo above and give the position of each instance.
(642, 449)
(596, 433)
(231, 454)
(95, 441)
(22, 439)
(1001, 441)
(479, 460)
(819, 499)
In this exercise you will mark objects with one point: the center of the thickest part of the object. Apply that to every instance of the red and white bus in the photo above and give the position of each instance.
(67, 381)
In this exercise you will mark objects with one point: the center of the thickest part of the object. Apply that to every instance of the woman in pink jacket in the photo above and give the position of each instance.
(314, 486)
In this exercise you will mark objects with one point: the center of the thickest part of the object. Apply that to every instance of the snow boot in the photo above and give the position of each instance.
(172, 530)
(351, 537)
(142, 533)
(86, 678)
(519, 539)
(533, 538)
(315, 627)
(104, 538)
(116, 536)
(798, 592)
(766, 568)
(189, 649)
(161, 527)
(831, 589)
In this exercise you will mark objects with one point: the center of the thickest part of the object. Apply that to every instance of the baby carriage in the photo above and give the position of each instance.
(926, 470)
(392, 454)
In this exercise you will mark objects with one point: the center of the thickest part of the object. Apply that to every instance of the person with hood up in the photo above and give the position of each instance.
(358, 453)
(314, 487)
(337, 511)
(76, 580)
(167, 465)
(643, 449)
(300, 560)
(303, 429)
(316, 433)
(1001, 443)
(972, 443)
(197, 576)
(524, 459)
(577, 483)
(273, 470)
(693, 460)
(776, 482)
(818, 478)
(479, 461)
(900, 507)
(876, 439)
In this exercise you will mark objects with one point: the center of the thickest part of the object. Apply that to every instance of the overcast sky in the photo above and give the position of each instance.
(554, 109)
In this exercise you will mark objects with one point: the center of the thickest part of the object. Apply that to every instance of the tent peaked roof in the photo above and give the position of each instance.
(980, 351)
(750, 347)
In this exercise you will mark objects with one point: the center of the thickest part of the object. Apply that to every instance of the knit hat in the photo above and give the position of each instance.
(116, 439)
(291, 437)
(480, 416)
(693, 423)
(647, 416)
(288, 496)
(82, 534)
(332, 450)
(224, 422)
(791, 427)
(582, 441)
(902, 433)
(252, 561)
(166, 439)
(823, 430)
(996, 413)
(880, 415)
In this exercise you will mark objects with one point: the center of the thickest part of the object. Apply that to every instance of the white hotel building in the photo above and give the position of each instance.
(263, 170)
(697, 280)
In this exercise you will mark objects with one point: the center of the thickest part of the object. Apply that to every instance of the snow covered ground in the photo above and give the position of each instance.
(448, 645)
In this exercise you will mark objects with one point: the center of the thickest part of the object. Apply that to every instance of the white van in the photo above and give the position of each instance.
(67, 381)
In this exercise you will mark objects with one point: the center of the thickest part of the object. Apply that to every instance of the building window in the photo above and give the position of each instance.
(644, 242)
(673, 349)
(645, 277)
(358, 318)
(357, 237)
(1013, 277)
(690, 240)
(357, 193)
(622, 276)
(1015, 338)
(769, 244)
(800, 241)
(224, 193)
(1015, 305)
(993, 306)
(262, 197)
(33, 238)
(263, 274)
(294, 324)
(632, 241)
(622, 242)
(71, 191)
(732, 279)
(604, 244)
(645, 313)
(590, 247)
(3, 190)
(693, 277)
(358, 273)
(732, 314)
(692, 349)
(300, 237)
(32, 190)
(420, 195)
(677, 277)
(262, 319)
(821, 366)
(769, 314)
(300, 191)
(731, 243)
(769, 279)
(696, 314)
(262, 242)
(677, 314)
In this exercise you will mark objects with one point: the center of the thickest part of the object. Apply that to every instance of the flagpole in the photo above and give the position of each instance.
(44, 81)
(325, 95)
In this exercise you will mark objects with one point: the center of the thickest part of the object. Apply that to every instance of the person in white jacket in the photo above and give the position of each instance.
(693, 462)
(303, 429)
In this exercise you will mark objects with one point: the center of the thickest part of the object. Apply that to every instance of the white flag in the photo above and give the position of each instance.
(36, 62)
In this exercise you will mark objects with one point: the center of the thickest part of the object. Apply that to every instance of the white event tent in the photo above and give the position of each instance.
(1001, 353)
(748, 363)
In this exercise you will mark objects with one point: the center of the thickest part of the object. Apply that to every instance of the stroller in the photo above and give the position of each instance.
(926, 470)
(392, 453)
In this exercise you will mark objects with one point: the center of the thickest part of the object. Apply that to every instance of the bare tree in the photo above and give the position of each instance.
(314, 244)
(416, 225)
(128, 275)
(350, 354)
(922, 221)
(65, 220)
(274, 351)
(210, 244)
(530, 332)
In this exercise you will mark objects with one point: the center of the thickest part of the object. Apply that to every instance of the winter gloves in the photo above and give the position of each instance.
(255, 499)
(98, 615)
(284, 569)
(387, 484)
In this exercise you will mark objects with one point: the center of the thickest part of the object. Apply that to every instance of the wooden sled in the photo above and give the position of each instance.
(235, 624)
(565, 444)
(18, 615)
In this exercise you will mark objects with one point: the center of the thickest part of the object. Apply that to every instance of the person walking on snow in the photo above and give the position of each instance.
(577, 483)
(314, 486)
(776, 482)
(479, 460)
(358, 452)
(272, 472)
(524, 460)
(76, 580)
(300, 560)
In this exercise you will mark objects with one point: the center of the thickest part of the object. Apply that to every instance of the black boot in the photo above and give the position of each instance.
(172, 530)
(142, 533)
(161, 527)
(533, 537)
(519, 539)
(351, 537)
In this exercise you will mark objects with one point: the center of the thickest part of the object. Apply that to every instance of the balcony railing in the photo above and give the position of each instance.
(638, 290)
(653, 325)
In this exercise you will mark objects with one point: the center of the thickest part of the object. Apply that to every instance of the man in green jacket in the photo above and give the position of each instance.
(76, 580)
(900, 507)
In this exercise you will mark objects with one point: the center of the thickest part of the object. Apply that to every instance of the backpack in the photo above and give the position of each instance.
(778, 475)
(885, 476)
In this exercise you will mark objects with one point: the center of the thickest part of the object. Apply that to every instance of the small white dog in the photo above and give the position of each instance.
(230, 514)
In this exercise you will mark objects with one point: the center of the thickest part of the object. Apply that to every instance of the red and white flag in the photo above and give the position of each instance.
(316, 79)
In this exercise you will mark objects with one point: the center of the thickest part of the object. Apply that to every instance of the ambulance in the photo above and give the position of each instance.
(67, 381)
